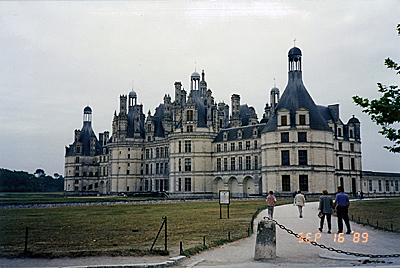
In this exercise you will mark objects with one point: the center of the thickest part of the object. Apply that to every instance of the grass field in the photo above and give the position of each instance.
(95, 230)
(109, 228)
(384, 211)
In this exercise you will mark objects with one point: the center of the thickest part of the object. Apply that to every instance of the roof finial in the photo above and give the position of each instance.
(195, 66)
(294, 42)
(274, 82)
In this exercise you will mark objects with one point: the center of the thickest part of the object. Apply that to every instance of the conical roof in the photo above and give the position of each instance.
(294, 97)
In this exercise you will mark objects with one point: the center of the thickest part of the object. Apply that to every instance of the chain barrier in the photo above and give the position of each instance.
(330, 248)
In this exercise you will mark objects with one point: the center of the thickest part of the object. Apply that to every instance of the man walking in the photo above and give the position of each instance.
(300, 203)
(271, 201)
(342, 204)
(325, 210)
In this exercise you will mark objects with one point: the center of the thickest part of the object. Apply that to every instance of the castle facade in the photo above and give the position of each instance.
(194, 147)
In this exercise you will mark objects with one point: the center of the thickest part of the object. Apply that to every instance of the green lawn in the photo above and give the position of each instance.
(108, 228)
(384, 211)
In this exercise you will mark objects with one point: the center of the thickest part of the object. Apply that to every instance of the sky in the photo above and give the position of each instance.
(56, 57)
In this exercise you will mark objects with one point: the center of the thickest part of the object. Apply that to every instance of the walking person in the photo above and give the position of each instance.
(271, 201)
(300, 203)
(342, 203)
(325, 208)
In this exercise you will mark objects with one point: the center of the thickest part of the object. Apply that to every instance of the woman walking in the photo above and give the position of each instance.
(271, 201)
(300, 203)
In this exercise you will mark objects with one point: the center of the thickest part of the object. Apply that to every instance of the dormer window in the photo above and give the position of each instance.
(351, 133)
(284, 120)
(239, 134)
(225, 136)
(255, 132)
(339, 132)
(302, 117)
(189, 115)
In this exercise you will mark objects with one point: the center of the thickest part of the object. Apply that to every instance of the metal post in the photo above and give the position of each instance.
(166, 236)
(228, 211)
(220, 211)
(229, 236)
(26, 241)
(181, 248)
(204, 241)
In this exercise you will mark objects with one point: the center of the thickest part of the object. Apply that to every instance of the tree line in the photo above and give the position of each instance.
(22, 181)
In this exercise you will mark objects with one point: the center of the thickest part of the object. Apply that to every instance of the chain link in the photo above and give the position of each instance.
(330, 248)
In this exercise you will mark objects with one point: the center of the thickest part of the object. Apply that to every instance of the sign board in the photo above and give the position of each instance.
(224, 197)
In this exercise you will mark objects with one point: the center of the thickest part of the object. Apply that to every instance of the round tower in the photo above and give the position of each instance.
(294, 59)
(87, 114)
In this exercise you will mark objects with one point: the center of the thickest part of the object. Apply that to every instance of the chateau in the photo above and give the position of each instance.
(194, 147)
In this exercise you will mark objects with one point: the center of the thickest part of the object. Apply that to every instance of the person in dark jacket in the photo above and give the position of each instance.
(325, 208)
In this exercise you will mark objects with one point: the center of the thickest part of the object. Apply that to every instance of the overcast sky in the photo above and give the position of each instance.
(57, 57)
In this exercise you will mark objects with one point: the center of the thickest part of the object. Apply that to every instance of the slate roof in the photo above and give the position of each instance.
(247, 133)
(294, 97)
(86, 133)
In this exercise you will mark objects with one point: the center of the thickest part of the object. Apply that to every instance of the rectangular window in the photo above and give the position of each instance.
(225, 164)
(380, 185)
(233, 163)
(353, 164)
(188, 164)
(302, 119)
(189, 115)
(248, 162)
(303, 183)
(77, 160)
(179, 146)
(286, 183)
(396, 186)
(179, 184)
(127, 172)
(188, 146)
(283, 120)
(351, 147)
(302, 136)
(255, 145)
(255, 162)
(218, 148)
(188, 184)
(240, 163)
(340, 146)
(166, 151)
(162, 152)
(161, 168)
(341, 163)
(218, 164)
(157, 152)
(189, 129)
(302, 157)
(157, 168)
(240, 146)
(339, 132)
(284, 137)
(147, 169)
(387, 186)
(180, 165)
(232, 147)
(225, 147)
(370, 185)
(247, 145)
(285, 158)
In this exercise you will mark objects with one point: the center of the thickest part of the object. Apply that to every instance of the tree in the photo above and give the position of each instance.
(385, 111)
(39, 173)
